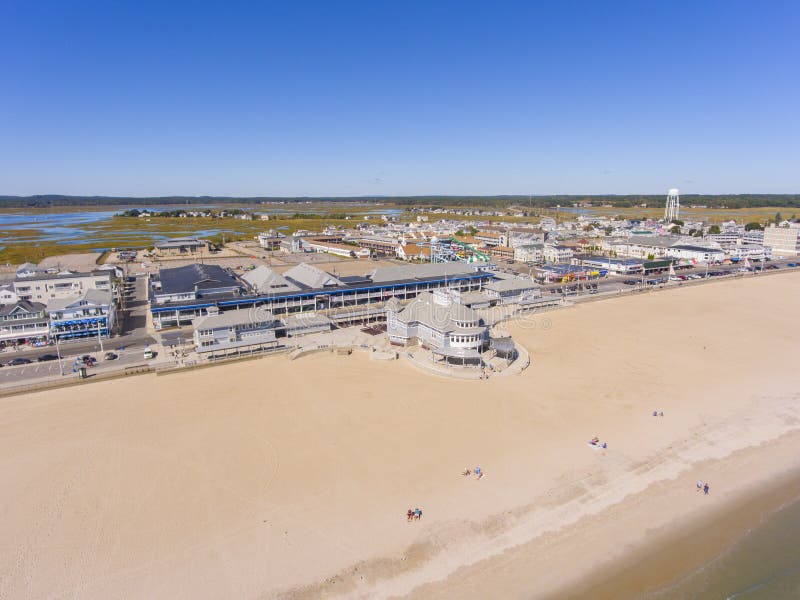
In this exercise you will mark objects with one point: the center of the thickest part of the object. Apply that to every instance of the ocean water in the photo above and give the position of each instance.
(762, 564)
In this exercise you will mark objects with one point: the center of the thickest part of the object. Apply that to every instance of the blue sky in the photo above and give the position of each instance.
(374, 98)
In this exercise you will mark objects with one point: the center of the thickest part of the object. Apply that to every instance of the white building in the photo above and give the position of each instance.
(511, 290)
(450, 330)
(749, 251)
(533, 253)
(696, 253)
(7, 294)
(23, 322)
(236, 329)
(784, 241)
(91, 314)
(45, 288)
(557, 254)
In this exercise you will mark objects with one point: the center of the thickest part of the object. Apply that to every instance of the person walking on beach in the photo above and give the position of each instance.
(699, 485)
(705, 489)
(409, 515)
(417, 514)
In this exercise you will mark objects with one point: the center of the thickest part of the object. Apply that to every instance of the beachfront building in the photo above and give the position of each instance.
(309, 289)
(263, 280)
(647, 247)
(784, 241)
(23, 322)
(91, 314)
(608, 265)
(700, 254)
(193, 282)
(235, 330)
(43, 287)
(511, 290)
(452, 331)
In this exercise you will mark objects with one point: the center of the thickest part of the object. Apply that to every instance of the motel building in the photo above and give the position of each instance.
(696, 253)
(91, 314)
(23, 322)
(337, 249)
(454, 333)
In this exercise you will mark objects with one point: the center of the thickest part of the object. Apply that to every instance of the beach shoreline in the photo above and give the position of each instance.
(291, 479)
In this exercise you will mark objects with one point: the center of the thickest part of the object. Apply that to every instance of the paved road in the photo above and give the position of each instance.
(11, 376)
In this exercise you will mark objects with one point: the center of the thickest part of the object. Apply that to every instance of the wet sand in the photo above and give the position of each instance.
(278, 478)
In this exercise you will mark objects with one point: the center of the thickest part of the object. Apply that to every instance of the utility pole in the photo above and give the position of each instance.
(58, 353)
(99, 338)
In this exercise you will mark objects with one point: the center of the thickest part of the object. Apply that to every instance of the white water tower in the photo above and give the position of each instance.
(673, 207)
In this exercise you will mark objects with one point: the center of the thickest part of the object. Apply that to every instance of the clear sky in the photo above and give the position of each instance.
(385, 98)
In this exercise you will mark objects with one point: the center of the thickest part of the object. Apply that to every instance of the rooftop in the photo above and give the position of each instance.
(192, 277)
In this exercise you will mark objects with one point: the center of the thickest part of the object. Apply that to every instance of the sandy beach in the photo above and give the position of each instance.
(291, 479)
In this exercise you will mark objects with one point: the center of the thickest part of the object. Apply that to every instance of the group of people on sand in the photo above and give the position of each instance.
(657, 413)
(595, 441)
(413, 515)
(478, 472)
(702, 486)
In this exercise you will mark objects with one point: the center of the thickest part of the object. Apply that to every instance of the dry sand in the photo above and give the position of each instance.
(274, 477)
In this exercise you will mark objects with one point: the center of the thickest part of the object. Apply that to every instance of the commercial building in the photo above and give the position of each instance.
(336, 248)
(236, 329)
(189, 294)
(604, 264)
(183, 245)
(91, 314)
(490, 239)
(511, 290)
(784, 241)
(501, 252)
(193, 282)
(39, 287)
(433, 320)
(23, 322)
(696, 253)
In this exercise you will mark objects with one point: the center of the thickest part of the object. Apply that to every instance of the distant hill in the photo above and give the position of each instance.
(622, 201)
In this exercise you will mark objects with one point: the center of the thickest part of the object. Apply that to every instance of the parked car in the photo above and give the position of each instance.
(791, 264)
(148, 353)
(19, 361)
(46, 357)
(110, 356)
(88, 360)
